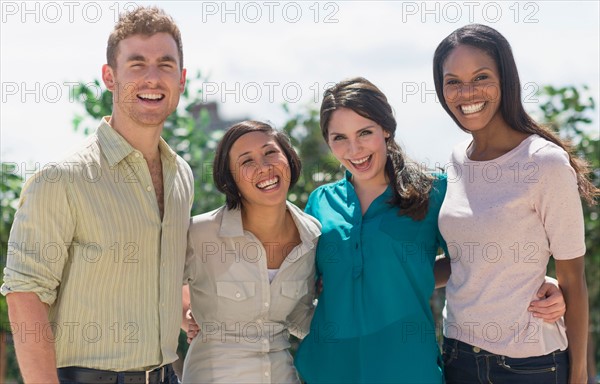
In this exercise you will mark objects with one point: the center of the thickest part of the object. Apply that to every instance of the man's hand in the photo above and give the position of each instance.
(193, 327)
(551, 306)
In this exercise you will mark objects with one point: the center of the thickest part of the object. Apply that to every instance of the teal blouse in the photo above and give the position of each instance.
(373, 322)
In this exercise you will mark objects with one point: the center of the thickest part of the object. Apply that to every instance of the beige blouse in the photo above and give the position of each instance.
(245, 321)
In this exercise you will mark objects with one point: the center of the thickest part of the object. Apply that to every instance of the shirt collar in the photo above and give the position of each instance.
(231, 223)
(309, 227)
(116, 148)
(348, 175)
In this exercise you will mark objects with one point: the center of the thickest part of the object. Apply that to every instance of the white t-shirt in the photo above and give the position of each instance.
(502, 219)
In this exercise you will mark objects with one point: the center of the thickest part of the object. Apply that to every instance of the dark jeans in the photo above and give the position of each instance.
(464, 363)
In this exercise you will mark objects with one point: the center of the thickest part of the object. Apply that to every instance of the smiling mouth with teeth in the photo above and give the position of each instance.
(268, 184)
(151, 96)
(472, 108)
(360, 161)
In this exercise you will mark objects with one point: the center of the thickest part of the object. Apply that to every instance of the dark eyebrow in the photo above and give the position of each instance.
(163, 59)
(167, 58)
(477, 71)
(367, 127)
(358, 131)
(135, 57)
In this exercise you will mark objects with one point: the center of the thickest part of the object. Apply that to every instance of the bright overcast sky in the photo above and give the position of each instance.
(258, 55)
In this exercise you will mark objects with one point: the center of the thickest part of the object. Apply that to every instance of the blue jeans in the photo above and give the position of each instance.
(464, 363)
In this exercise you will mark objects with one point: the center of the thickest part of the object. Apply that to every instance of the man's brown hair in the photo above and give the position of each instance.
(145, 21)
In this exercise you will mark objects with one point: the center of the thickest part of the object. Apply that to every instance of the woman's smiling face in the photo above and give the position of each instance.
(359, 144)
(472, 87)
(260, 169)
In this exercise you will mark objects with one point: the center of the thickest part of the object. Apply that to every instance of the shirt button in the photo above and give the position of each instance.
(259, 322)
(238, 295)
(267, 373)
(265, 341)
(267, 305)
(148, 188)
(476, 350)
(137, 154)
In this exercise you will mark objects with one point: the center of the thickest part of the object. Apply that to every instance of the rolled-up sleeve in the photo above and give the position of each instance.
(40, 237)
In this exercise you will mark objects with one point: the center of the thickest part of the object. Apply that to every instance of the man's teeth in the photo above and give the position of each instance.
(360, 161)
(268, 183)
(151, 96)
(467, 109)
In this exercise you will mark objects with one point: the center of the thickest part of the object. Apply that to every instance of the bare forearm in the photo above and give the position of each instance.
(573, 285)
(33, 338)
(576, 320)
(441, 271)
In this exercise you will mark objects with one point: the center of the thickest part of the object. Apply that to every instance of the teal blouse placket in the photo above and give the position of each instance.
(377, 206)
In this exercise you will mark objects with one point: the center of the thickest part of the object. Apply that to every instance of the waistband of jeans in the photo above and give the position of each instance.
(98, 376)
(462, 346)
(468, 348)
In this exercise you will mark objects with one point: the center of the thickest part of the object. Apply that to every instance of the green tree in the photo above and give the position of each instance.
(10, 190)
(319, 166)
(568, 110)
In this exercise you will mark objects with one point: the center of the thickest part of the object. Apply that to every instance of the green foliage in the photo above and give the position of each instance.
(567, 111)
(10, 190)
(96, 105)
(319, 166)
(189, 138)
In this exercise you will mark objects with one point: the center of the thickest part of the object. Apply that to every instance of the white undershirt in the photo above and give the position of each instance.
(272, 273)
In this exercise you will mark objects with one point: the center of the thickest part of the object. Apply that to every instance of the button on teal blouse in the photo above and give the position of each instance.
(373, 322)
